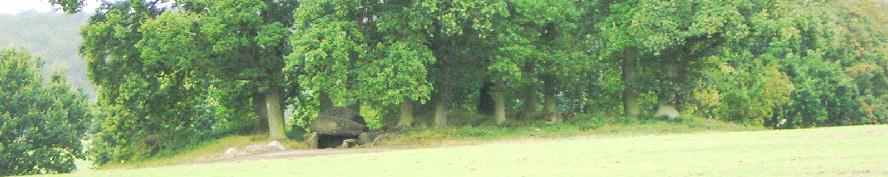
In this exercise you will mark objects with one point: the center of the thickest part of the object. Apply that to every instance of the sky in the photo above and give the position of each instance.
(18, 6)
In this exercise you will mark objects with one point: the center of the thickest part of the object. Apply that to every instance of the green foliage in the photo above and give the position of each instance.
(756, 62)
(538, 39)
(41, 121)
(69, 6)
(824, 95)
(329, 43)
(360, 50)
(152, 97)
(172, 78)
(863, 55)
(757, 89)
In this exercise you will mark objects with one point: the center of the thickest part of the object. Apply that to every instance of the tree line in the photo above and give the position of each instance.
(171, 75)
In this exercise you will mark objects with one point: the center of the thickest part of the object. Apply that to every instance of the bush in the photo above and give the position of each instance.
(41, 123)
(825, 95)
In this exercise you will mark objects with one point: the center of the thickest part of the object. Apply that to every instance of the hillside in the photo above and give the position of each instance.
(54, 37)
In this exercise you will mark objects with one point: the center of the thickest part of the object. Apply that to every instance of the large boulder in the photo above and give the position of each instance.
(334, 126)
(368, 138)
(312, 140)
(339, 121)
(667, 112)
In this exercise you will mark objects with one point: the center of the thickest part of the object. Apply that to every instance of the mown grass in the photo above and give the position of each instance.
(836, 151)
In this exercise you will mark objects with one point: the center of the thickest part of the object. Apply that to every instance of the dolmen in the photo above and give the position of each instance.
(339, 127)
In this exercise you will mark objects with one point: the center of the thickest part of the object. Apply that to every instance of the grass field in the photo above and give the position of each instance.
(838, 151)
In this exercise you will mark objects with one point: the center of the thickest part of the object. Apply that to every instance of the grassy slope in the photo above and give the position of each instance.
(418, 138)
(205, 152)
(838, 151)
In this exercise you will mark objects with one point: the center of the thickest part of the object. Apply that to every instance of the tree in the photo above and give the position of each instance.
(172, 77)
(41, 122)
(355, 50)
(455, 32)
(620, 45)
(678, 36)
(243, 49)
(149, 102)
(221, 40)
(537, 43)
(864, 55)
(799, 38)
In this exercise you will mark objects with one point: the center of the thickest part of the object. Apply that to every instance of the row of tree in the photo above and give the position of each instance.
(201, 68)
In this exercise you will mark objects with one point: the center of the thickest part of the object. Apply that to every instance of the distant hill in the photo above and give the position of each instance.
(53, 36)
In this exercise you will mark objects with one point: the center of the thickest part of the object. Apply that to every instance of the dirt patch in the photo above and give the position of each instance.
(308, 153)
(296, 153)
(299, 153)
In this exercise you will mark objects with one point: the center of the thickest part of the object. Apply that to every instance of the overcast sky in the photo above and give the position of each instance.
(18, 6)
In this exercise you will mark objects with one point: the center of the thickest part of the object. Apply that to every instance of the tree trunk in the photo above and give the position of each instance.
(273, 101)
(441, 108)
(485, 99)
(442, 102)
(499, 104)
(261, 124)
(530, 98)
(550, 108)
(356, 106)
(441, 114)
(530, 103)
(406, 119)
(324, 101)
(666, 96)
(630, 97)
